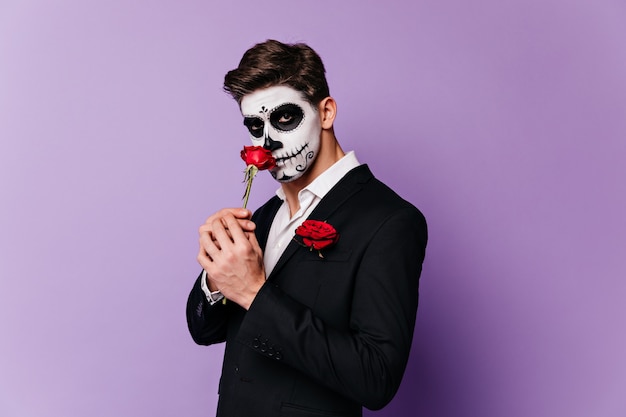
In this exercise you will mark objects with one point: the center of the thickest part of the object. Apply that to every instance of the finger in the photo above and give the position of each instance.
(247, 225)
(203, 258)
(255, 243)
(211, 247)
(206, 237)
(222, 234)
(235, 229)
(243, 215)
(206, 227)
(239, 213)
(224, 225)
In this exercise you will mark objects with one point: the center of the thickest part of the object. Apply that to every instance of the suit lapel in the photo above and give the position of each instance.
(264, 219)
(349, 185)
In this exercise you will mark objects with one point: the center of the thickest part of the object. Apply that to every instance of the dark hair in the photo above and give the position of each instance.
(273, 63)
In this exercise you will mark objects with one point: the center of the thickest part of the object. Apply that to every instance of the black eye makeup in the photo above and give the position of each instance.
(286, 117)
(255, 125)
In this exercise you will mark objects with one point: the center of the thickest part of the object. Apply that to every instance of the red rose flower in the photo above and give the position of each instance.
(256, 158)
(317, 235)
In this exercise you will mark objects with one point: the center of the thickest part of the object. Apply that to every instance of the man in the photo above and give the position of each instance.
(308, 331)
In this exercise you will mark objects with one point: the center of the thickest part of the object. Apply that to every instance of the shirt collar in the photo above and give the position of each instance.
(321, 185)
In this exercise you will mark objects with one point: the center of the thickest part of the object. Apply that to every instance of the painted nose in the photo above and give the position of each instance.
(272, 145)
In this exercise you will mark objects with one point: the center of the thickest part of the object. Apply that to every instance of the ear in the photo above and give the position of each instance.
(327, 110)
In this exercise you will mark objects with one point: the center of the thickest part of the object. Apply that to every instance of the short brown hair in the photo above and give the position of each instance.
(273, 63)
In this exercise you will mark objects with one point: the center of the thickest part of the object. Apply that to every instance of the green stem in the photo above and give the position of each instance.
(247, 194)
(251, 171)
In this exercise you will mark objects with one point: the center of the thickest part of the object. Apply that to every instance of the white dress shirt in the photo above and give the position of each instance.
(284, 226)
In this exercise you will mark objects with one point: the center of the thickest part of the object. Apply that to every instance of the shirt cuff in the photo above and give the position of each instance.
(212, 296)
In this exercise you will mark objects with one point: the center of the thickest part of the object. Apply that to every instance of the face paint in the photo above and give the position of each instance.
(281, 120)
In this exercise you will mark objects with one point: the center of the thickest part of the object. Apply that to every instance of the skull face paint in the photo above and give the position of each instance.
(282, 121)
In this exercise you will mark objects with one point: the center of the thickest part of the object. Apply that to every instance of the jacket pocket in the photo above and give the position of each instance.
(330, 254)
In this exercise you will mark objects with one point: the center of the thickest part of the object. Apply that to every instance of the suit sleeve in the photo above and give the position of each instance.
(207, 323)
(365, 362)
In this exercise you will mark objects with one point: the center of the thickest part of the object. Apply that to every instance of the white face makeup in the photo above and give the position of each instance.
(281, 120)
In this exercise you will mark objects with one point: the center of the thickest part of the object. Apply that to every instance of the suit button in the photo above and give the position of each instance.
(263, 347)
(278, 356)
(256, 343)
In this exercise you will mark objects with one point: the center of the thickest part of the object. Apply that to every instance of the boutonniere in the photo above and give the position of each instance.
(317, 235)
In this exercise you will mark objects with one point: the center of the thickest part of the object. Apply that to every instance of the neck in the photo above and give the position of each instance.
(323, 161)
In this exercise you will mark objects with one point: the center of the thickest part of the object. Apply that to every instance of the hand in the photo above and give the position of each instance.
(241, 214)
(231, 255)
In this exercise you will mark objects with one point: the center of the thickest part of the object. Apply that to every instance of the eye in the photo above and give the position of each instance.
(255, 126)
(287, 117)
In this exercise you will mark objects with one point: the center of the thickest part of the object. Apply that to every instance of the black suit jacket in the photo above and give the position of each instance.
(324, 336)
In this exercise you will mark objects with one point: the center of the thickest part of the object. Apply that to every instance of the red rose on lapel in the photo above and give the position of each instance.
(317, 235)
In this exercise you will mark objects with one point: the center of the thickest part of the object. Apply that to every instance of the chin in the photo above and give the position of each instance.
(283, 178)
(286, 178)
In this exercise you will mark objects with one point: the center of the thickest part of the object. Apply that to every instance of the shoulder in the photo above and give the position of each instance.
(364, 207)
(378, 199)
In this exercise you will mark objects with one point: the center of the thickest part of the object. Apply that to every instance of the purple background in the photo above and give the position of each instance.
(504, 121)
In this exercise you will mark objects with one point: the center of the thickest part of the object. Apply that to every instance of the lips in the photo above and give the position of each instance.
(281, 160)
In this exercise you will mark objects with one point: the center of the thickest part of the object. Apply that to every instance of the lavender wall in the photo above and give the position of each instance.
(504, 121)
